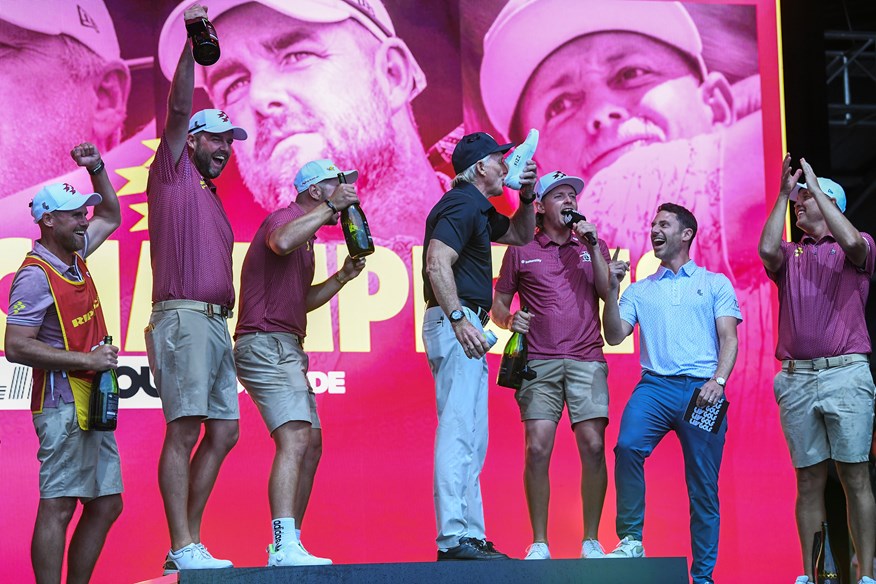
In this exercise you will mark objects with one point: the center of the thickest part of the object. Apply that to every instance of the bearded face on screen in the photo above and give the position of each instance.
(306, 91)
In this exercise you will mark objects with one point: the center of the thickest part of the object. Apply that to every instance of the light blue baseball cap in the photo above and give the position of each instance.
(829, 187)
(60, 197)
(317, 171)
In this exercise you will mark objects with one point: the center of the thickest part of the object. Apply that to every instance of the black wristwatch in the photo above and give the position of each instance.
(527, 201)
(331, 206)
(456, 316)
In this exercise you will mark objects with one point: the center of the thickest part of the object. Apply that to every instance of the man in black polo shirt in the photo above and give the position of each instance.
(458, 288)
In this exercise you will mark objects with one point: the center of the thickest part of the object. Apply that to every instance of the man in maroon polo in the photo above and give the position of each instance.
(277, 292)
(187, 339)
(825, 389)
(559, 277)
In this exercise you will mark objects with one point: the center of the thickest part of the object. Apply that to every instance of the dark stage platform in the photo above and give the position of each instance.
(603, 571)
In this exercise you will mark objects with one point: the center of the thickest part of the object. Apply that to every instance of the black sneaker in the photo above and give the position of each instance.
(470, 548)
(488, 547)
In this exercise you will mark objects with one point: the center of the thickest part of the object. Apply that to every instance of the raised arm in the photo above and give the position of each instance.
(770, 247)
(294, 234)
(182, 88)
(848, 238)
(107, 216)
(440, 258)
(522, 228)
(615, 328)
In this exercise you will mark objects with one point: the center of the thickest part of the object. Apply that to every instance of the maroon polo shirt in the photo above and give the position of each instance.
(821, 300)
(273, 288)
(189, 233)
(556, 283)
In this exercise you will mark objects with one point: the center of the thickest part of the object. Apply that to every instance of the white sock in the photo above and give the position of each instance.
(284, 531)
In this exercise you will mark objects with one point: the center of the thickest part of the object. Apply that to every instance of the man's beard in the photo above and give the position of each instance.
(364, 143)
(203, 160)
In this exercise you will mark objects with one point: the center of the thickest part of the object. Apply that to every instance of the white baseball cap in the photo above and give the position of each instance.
(829, 188)
(369, 13)
(515, 45)
(216, 122)
(317, 171)
(87, 21)
(552, 180)
(60, 197)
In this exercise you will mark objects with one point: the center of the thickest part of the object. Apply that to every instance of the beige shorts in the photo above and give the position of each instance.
(74, 462)
(273, 369)
(581, 385)
(191, 361)
(827, 413)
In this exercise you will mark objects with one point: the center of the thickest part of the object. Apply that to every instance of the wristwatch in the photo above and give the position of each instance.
(331, 206)
(528, 201)
(720, 381)
(456, 316)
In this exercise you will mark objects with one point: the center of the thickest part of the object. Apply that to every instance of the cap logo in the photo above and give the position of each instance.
(86, 20)
(366, 8)
(68, 188)
(331, 167)
(558, 175)
(45, 206)
(223, 116)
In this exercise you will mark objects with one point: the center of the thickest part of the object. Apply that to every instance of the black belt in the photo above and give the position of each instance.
(481, 313)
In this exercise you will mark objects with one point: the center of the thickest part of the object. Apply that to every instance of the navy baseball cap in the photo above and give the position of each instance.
(473, 147)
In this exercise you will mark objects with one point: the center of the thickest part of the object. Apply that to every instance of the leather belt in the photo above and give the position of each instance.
(205, 307)
(791, 365)
(483, 315)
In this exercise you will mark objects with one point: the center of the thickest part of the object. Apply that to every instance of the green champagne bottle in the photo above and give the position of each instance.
(355, 228)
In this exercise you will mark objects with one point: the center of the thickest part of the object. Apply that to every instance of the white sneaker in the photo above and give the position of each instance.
(628, 548)
(538, 551)
(802, 580)
(294, 554)
(518, 159)
(591, 548)
(192, 557)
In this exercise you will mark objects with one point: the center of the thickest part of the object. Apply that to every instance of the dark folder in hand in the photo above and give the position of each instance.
(708, 419)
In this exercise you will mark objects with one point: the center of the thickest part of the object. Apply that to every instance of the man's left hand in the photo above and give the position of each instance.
(710, 394)
(352, 268)
(86, 154)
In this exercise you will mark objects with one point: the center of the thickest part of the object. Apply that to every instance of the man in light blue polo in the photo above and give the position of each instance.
(687, 320)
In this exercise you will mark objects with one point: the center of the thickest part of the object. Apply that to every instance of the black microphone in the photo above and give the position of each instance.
(571, 217)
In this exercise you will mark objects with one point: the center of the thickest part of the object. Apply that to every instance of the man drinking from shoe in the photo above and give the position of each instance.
(187, 339)
(457, 286)
(825, 390)
(277, 292)
(687, 320)
(560, 277)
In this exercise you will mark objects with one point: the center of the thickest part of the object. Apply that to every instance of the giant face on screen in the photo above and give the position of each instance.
(310, 80)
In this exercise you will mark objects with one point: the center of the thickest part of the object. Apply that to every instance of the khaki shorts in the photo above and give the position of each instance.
(581, 385)
(190, 357)
(827, 413)
(273, 369)
(73, 462)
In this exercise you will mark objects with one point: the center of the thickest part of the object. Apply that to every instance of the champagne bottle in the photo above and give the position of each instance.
(355, 228)
(103, 405)
(825, 567)
(514, 368)
(205, 43)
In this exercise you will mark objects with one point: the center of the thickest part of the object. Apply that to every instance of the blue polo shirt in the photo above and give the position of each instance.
(676, 315)
(466, 221)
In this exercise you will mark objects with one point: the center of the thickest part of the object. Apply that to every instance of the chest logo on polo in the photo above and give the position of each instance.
(203, 184)
(585, 256)
(798, 251)
(536, 260)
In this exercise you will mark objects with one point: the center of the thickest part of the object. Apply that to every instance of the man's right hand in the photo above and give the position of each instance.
(617, 271)
(103, 357)
(194, 13)
(343, 196)
(473, 342)
(789, 181)
(520, 322)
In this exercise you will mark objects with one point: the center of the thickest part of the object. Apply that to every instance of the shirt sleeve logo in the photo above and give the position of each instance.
(17, 307)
